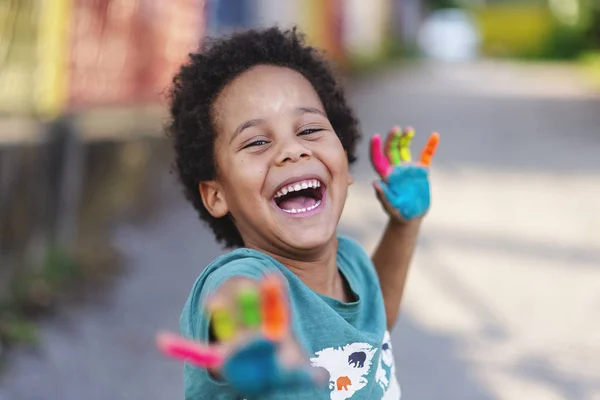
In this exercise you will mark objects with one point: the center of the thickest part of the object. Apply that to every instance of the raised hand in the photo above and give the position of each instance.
(404, 187)
(256, 352)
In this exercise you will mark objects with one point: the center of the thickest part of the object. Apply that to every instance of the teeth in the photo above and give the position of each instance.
(303, 210)
(313, 183)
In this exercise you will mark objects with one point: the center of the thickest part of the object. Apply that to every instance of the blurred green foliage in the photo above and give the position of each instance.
(569, 41)
(440, 4)
(34, 293)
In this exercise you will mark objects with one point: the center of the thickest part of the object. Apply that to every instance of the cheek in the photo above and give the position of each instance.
(338, 158)
(247, 177)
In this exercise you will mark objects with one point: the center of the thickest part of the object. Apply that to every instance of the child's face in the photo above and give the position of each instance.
(273, 137)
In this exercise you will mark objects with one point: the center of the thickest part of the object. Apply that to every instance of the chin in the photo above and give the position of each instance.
(309, 239)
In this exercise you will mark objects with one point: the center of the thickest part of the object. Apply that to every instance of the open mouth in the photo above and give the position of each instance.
(300, 197)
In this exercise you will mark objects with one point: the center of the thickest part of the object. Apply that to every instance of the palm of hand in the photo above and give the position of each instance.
(256, 353)
(404, 189)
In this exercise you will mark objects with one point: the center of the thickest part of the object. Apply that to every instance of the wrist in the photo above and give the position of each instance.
(396, 222)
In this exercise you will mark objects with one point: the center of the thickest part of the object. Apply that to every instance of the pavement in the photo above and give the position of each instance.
(503, 297)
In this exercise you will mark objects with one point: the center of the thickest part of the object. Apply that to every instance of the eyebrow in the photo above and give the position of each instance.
(245, 125)
(310, 110)
(253, 122)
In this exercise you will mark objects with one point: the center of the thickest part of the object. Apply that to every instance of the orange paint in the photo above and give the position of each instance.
(430, 149)
(274, 309)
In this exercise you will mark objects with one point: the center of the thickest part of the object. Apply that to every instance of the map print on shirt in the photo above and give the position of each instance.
(349, 366)
(386, 371)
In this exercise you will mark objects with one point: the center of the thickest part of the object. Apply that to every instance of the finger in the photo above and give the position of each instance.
(430, 149)
(249, 304)
(378, 159)
(381, 195)
(176, 347)
(384, 195)
(223, 322)
(405, 141)
(389, 141)
(394, 151)
(274, 308)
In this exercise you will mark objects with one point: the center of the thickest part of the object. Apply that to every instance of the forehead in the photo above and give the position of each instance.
(263, 91)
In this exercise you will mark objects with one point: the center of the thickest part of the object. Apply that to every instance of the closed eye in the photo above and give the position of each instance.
(256, 143)
(309, 131)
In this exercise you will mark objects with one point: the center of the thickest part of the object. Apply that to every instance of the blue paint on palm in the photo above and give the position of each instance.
(255, 371)
(407, 190)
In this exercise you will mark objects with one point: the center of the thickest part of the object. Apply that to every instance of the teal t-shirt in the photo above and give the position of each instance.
(349, 340)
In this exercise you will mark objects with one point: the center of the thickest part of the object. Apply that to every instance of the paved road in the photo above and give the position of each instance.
(503, 297)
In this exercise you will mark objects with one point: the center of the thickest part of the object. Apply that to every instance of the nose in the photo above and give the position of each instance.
(292, 150)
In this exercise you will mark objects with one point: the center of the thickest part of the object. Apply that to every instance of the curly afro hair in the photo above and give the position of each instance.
(204, 76)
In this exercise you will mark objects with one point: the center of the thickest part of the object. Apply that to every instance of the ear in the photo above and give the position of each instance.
(213, 198)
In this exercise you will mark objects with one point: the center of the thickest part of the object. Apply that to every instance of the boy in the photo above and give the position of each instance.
(264, 138)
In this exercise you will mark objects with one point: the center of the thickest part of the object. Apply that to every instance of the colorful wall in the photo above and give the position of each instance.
(67, 55)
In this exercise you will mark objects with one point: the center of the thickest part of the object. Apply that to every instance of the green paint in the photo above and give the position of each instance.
(249, 302)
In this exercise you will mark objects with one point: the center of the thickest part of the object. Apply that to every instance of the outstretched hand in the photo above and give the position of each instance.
(256, 352)
(403, 190)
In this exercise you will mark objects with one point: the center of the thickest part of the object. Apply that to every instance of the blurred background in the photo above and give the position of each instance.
(98, 249)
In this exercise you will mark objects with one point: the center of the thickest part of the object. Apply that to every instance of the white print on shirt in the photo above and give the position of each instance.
(386, 371)
(349, 366)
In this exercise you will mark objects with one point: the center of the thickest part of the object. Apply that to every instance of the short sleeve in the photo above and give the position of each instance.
(248, 268)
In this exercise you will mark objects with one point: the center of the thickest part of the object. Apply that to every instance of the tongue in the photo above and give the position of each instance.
(297, 202)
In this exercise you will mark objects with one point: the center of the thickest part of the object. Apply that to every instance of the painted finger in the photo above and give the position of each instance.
(378, 159)
(249, 304)
(174, 346)
(430, 149)
(223, 322)
(405, 141)
(389, 141)
(394, 150)
(275, 313)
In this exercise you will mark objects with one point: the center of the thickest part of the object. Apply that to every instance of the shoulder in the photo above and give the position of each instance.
(240, 262)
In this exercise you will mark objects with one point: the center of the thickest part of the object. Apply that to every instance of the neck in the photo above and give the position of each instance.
(318, 271)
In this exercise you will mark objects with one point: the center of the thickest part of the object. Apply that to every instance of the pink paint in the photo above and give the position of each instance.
(379, 159)
(176, 347)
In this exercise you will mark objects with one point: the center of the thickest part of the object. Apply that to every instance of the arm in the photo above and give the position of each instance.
(404, 194)
(392, 259)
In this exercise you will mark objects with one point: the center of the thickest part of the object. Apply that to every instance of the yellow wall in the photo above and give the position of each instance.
(33, 74)
(509, 29)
